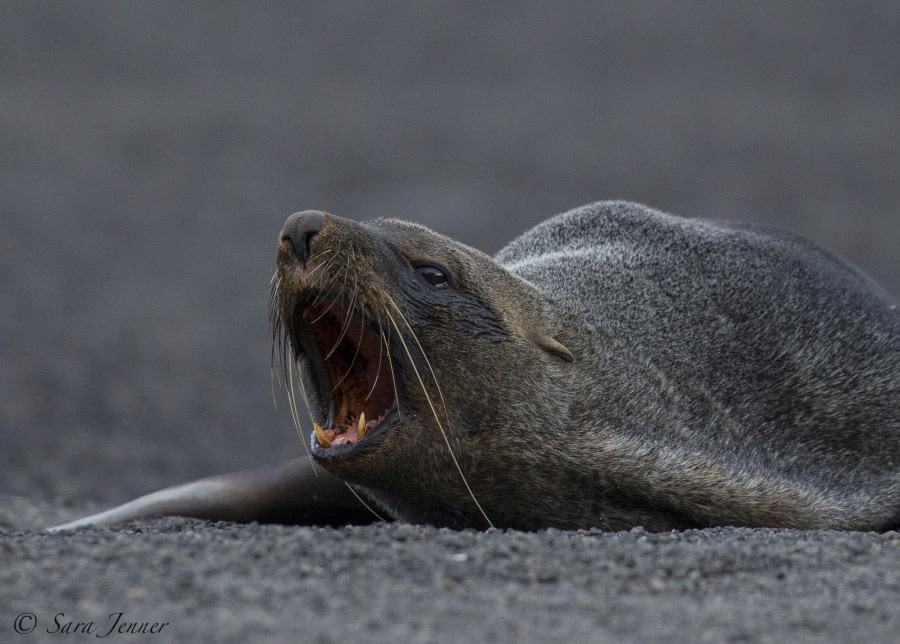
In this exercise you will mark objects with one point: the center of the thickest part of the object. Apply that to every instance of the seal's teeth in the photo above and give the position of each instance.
(321, 436)
(361, 427)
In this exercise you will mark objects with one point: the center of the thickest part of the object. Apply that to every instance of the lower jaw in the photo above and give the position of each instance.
(347, 451)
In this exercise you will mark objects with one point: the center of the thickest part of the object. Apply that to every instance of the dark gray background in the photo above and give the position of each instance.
(151, 151)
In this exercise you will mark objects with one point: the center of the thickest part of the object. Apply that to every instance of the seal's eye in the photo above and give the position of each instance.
(436, 277)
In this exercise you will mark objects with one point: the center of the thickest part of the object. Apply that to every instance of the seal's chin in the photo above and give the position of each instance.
(343, 354)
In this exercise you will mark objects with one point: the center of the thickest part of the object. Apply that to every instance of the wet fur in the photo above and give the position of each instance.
(722, 375)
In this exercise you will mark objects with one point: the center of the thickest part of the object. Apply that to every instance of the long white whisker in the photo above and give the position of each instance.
(293, 405)
(276, 331)
(378, 370)
(366, 505)
(326, 290)
(387, 346)
(349, 317)
(362, 327)
(436, 418)
(313, 271)
(424, 355)
(319, 254)
(343, 285)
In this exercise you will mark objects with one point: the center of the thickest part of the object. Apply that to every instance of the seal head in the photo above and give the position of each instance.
(404, 358)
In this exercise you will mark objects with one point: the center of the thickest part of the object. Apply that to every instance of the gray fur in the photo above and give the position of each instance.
(748, 351)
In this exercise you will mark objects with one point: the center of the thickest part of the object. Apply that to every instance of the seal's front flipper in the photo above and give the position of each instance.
(292, 492)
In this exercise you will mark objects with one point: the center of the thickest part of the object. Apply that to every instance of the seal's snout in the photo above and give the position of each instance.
(299, 229)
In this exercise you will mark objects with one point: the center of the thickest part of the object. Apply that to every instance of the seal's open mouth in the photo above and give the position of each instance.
(344, 357)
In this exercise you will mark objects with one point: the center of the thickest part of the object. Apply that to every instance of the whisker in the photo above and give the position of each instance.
(295, 364)
(380, 351)
(313, 271)
(320, 253)
(424, 355)
(391, 364)
(349, 318)
(289, 364)
(346, 273)
(304, 395)
(366, 505)
(326, 289)
(293, 405)
(321, 293)
(272, 375)
(275, 330)
(433, 411)
(343, 288)
(362, 327)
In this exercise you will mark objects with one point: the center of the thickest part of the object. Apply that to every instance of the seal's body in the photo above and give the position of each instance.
(614, 366)
(723, 374)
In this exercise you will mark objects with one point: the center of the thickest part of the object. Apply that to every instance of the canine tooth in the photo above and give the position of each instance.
(321, 436)
(361, 427)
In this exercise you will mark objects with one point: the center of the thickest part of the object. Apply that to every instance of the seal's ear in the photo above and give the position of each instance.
(553, 347)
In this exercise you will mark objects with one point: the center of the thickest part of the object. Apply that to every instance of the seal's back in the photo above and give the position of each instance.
(782, 358)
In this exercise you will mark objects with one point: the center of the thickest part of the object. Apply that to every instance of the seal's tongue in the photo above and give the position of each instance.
(355, 430)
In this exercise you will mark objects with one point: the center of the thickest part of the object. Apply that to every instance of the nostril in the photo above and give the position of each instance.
(299, 229)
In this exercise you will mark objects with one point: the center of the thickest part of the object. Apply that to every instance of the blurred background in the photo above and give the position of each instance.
(150, 152)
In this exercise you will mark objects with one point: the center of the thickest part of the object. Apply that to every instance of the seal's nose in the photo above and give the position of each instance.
(299, 229)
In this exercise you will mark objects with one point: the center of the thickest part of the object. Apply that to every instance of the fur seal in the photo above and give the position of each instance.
(614, 366)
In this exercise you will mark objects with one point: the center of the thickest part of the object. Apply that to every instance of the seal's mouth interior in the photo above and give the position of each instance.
(350, 368)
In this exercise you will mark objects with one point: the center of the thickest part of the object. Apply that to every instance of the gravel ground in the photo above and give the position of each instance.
(150, 153)
(394, 582)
